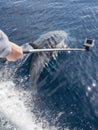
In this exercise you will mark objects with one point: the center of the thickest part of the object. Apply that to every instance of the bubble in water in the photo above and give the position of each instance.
(94, 84)
(89, 88)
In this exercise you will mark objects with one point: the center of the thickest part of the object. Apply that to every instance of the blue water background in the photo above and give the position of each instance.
(68, 87)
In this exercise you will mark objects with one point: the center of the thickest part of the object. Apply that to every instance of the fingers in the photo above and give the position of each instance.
(16, 53)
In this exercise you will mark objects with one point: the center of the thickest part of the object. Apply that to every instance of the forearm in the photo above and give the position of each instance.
(8, 49)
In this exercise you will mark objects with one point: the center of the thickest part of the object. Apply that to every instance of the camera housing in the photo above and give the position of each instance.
(88, 43)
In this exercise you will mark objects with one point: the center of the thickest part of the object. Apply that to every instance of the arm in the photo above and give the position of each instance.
(8, 49)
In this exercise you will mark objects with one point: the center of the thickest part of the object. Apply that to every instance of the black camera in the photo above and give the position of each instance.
(88, 43)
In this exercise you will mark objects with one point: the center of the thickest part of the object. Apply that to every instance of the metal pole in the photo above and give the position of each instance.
(53, 49)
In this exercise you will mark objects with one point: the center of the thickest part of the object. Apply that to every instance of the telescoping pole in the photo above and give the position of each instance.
(88, 43)
(53, 49)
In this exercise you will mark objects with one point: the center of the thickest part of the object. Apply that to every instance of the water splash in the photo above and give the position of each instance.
(13, 107)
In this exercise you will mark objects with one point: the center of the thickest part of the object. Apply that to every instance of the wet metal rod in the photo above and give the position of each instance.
(87, 44)
(53, 49)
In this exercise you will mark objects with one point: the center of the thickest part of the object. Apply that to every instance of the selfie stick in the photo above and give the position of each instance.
(87, 44)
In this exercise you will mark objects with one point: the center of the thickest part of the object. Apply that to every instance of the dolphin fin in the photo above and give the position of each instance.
(33, 45)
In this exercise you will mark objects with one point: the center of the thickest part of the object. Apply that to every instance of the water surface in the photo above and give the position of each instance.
(67, 90)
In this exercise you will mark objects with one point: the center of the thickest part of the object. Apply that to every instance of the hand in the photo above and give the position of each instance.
(16, 52)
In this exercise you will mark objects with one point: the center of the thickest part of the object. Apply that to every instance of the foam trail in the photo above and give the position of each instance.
(13, 107)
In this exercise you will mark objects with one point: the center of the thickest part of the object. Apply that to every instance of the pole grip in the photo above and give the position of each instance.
(26, 51)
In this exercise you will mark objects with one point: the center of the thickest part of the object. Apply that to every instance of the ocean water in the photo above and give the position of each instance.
(67, 90)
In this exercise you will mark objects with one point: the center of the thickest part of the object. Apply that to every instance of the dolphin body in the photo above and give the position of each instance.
(53, 39)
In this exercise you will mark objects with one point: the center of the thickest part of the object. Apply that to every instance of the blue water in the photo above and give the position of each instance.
(67, 91)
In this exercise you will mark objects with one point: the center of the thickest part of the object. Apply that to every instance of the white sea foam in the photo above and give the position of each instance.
(13, 107)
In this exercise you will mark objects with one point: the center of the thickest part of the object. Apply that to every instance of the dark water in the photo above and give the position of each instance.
(67, 91)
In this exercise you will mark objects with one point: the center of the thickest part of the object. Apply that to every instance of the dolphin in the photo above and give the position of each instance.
(53, 39)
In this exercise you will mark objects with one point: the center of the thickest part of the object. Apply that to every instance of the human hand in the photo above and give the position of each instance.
(16, 52)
